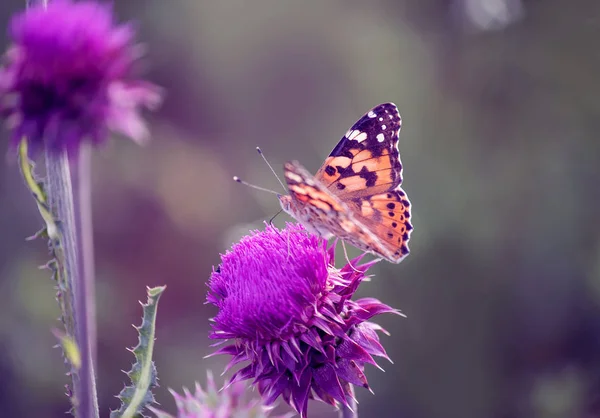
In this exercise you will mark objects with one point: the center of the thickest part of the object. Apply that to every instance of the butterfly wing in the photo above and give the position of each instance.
(356, 194)
(313, 205)
(366, 161)
(320, 211)
(387, 216)
(365, 172)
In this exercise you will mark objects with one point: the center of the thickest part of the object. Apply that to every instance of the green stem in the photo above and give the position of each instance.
(352, 410)
(83, 201)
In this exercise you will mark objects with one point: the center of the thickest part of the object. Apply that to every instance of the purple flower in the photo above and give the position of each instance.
(68, 77)
(212, 403)
(290, 315)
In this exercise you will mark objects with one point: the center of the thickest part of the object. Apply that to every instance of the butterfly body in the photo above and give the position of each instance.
(356, 194)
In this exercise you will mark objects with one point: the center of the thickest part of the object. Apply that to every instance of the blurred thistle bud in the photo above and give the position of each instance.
(230, 402)
(68, 77)
(289, 314)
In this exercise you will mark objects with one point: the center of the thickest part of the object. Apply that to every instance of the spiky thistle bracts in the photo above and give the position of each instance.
(69, 76)
(289, 313)
(211, 402)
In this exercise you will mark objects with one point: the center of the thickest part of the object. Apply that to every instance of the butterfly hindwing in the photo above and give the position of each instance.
(387, 216)
(366, 159)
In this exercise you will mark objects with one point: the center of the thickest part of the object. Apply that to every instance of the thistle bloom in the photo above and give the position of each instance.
(230, 402)
(68, 76)
(290, 315)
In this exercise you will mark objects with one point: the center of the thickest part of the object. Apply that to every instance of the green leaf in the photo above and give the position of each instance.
(69, 347)
(36, 188)
(52, 231)
(143, 377)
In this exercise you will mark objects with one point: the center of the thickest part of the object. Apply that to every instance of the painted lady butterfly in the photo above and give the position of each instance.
(356, 194)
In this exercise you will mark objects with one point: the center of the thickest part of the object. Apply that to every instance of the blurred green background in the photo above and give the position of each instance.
(500, 147)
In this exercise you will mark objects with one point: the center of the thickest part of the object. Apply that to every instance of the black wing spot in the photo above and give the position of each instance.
(394, 224)
(389, 195)
(340, 186)
(391, 205)
(390, 235)
(391, 214)
(369, 176)
(406, 214)
(330, 170)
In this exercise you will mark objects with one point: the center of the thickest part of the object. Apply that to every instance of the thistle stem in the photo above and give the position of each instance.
(73, 269)
(350, 411)
(60, 196)
(31, 3)
(83, 202)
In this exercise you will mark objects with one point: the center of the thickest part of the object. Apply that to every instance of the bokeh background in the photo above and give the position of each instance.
(501, 110)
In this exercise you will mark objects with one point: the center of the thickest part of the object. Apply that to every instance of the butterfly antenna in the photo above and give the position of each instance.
(245, 183)
(271, 167)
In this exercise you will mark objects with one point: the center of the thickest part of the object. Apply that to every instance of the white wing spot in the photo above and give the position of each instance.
(353, 135)
(380, 137)
(371, 114)
(380, 119)
(361, 137)
(390, 116)
(383, 127)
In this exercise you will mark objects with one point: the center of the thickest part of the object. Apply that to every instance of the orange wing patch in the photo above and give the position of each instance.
(348, 178)
(315, 197)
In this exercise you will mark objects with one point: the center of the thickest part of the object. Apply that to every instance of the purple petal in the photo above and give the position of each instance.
(300, 393)
(349, 371)
(326, 378)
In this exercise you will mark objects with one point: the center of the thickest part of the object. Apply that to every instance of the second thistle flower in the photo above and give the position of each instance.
(68, 77)
(289, 312)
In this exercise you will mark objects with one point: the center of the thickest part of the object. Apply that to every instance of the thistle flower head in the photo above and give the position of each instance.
(231, 402)
(68, 77)
(289, 312)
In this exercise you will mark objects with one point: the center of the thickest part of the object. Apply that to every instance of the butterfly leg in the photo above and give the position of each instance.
(348, 259)
(274, 216)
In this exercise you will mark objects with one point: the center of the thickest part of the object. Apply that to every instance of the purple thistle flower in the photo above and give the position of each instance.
(68, 77)
(290, 313)
(214, 403)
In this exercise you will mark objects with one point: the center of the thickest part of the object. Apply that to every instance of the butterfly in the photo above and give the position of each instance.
(356, 194)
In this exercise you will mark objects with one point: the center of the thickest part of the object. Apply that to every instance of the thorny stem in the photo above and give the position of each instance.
(77, 266)
(60, 197)
(352, 410)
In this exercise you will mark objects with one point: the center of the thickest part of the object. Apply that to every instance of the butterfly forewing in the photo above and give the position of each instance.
(366, 160)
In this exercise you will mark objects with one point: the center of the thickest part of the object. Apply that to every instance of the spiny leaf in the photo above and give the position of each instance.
(143, 377)
(37, 191)
(52, 231)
